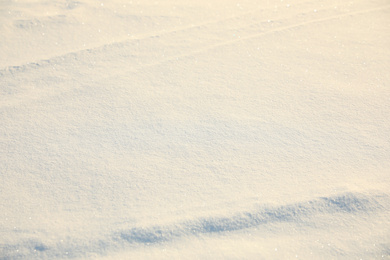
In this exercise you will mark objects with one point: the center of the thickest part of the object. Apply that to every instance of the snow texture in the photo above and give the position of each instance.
(194, 129)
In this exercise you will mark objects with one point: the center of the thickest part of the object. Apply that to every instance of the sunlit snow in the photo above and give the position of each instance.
(194, 129)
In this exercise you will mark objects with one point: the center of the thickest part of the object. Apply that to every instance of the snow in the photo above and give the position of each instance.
(194, 129)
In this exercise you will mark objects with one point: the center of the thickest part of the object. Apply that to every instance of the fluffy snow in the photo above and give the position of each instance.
(195, 129)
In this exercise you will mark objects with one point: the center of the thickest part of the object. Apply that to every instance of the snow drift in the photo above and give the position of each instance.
(189, 129)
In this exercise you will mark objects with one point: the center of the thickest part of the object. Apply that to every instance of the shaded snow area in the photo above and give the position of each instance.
(195, 129)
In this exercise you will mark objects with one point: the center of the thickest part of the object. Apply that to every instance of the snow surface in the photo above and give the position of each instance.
(195, 129)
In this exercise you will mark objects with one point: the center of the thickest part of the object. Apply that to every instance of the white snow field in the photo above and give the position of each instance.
(195, 129)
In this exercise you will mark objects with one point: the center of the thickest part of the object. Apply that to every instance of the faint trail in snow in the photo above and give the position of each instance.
(91, 64)
(280, 29)
(128, 39)
(122, 43)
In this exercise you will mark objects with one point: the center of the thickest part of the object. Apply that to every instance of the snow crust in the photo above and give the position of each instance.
(194, 129)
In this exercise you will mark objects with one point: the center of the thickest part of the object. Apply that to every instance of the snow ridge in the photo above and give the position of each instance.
(348, 203)
(298, 213)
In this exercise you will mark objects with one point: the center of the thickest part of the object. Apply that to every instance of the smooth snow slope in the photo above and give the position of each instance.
(195, 129)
